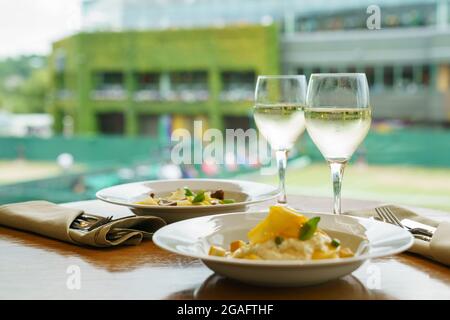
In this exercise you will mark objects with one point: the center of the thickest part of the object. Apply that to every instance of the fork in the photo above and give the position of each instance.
(102, 221)
(84, 222)
(387, 215)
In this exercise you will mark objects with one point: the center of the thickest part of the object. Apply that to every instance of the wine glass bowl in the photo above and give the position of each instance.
(279, 116)
(337, 117)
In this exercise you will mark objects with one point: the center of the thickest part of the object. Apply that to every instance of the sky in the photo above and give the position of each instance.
(30, 26)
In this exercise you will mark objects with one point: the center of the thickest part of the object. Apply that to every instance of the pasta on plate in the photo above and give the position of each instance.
(285, 235)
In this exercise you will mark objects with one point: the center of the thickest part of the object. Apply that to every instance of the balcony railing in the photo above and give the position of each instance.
(111, 92)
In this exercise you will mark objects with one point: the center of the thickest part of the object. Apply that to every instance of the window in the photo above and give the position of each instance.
(109, 80)
(237, 122)
(407, 75)
(109, 86)
(233, 79)
(426, 75)
(352, 69)
(147, 87)
(189, 80)
(304, 71)
(388, 79)
(370, 75)
(148, 125)
(188, 86)
(111, 123)
(237, 85)
(147, 81)
(62, 90)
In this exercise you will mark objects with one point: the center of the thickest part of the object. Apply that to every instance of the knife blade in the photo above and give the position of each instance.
(414, 224)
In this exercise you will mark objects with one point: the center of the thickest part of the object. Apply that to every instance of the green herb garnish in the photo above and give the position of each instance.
(226, 201)
(279, 240)
(188, 192)
(309, 228)
(335, 243)
(199, 197)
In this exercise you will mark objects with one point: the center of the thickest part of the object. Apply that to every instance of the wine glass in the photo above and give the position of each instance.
(338, 117)
(279, 116)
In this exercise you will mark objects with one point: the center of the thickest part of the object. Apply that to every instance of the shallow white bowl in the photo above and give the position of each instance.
(244, 192)
(367, 237)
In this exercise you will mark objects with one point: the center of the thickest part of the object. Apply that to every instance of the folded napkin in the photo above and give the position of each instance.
(51, 220)
(437, 249)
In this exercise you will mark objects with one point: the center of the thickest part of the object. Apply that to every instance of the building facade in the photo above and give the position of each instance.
(137, 81)
(407, 69)
(141, 64)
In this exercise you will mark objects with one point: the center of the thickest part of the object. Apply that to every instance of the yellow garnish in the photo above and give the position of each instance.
(252, 256)
(331, 253)
(217, 251)
(236, 245)
(280, 221)
(346, 253)
(148, 201)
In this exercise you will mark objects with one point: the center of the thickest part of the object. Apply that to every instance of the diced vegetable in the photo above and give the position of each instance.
(279, 240)
(226, 201)
(188, 192)
(199, 197)
(331, 254)
(148, 201)
(252, 256)
(217, 251)
(236, 245)
(218, 194)
(345, 253)
(309, 228)
(185, 196)
(335, 243)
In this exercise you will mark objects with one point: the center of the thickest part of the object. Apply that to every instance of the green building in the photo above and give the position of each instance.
(137, 82)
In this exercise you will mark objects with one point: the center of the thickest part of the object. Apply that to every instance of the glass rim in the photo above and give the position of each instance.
(282, 76)
(338, 74)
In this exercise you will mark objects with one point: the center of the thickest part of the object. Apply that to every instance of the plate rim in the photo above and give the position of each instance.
(284, 263)
(271, 195)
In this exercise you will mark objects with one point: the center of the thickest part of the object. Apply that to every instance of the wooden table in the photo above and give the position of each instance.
(32, 266)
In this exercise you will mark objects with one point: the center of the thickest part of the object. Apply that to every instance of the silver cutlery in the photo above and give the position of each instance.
(88, 222)
(387, 215)
(411, 224)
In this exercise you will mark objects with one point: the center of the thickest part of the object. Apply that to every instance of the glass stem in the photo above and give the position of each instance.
(337, 172)
(281, 156)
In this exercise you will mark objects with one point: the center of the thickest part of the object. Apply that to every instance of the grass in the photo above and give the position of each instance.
(418, 186)
(22, 170)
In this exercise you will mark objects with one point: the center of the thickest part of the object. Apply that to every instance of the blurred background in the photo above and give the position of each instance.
(90, 90)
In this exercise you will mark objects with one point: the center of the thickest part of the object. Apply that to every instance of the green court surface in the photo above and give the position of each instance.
(411, 185)
(15, 171)
(20, 170)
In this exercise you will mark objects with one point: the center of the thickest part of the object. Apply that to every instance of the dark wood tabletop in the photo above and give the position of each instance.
(33, 267)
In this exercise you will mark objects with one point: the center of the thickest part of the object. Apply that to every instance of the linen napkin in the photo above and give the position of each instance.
(437, 249)
(51, 220)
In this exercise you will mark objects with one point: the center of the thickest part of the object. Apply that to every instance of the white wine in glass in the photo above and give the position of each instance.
(279, 116)
(280, 125)
(337, 132)
(338, 117)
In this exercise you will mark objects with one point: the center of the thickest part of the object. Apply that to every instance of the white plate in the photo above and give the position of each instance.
(244, 192)
(367, 237)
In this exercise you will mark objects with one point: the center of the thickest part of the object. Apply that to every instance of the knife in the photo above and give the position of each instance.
(419, 227)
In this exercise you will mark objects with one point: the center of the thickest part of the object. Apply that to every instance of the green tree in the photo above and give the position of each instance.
(24, 84)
